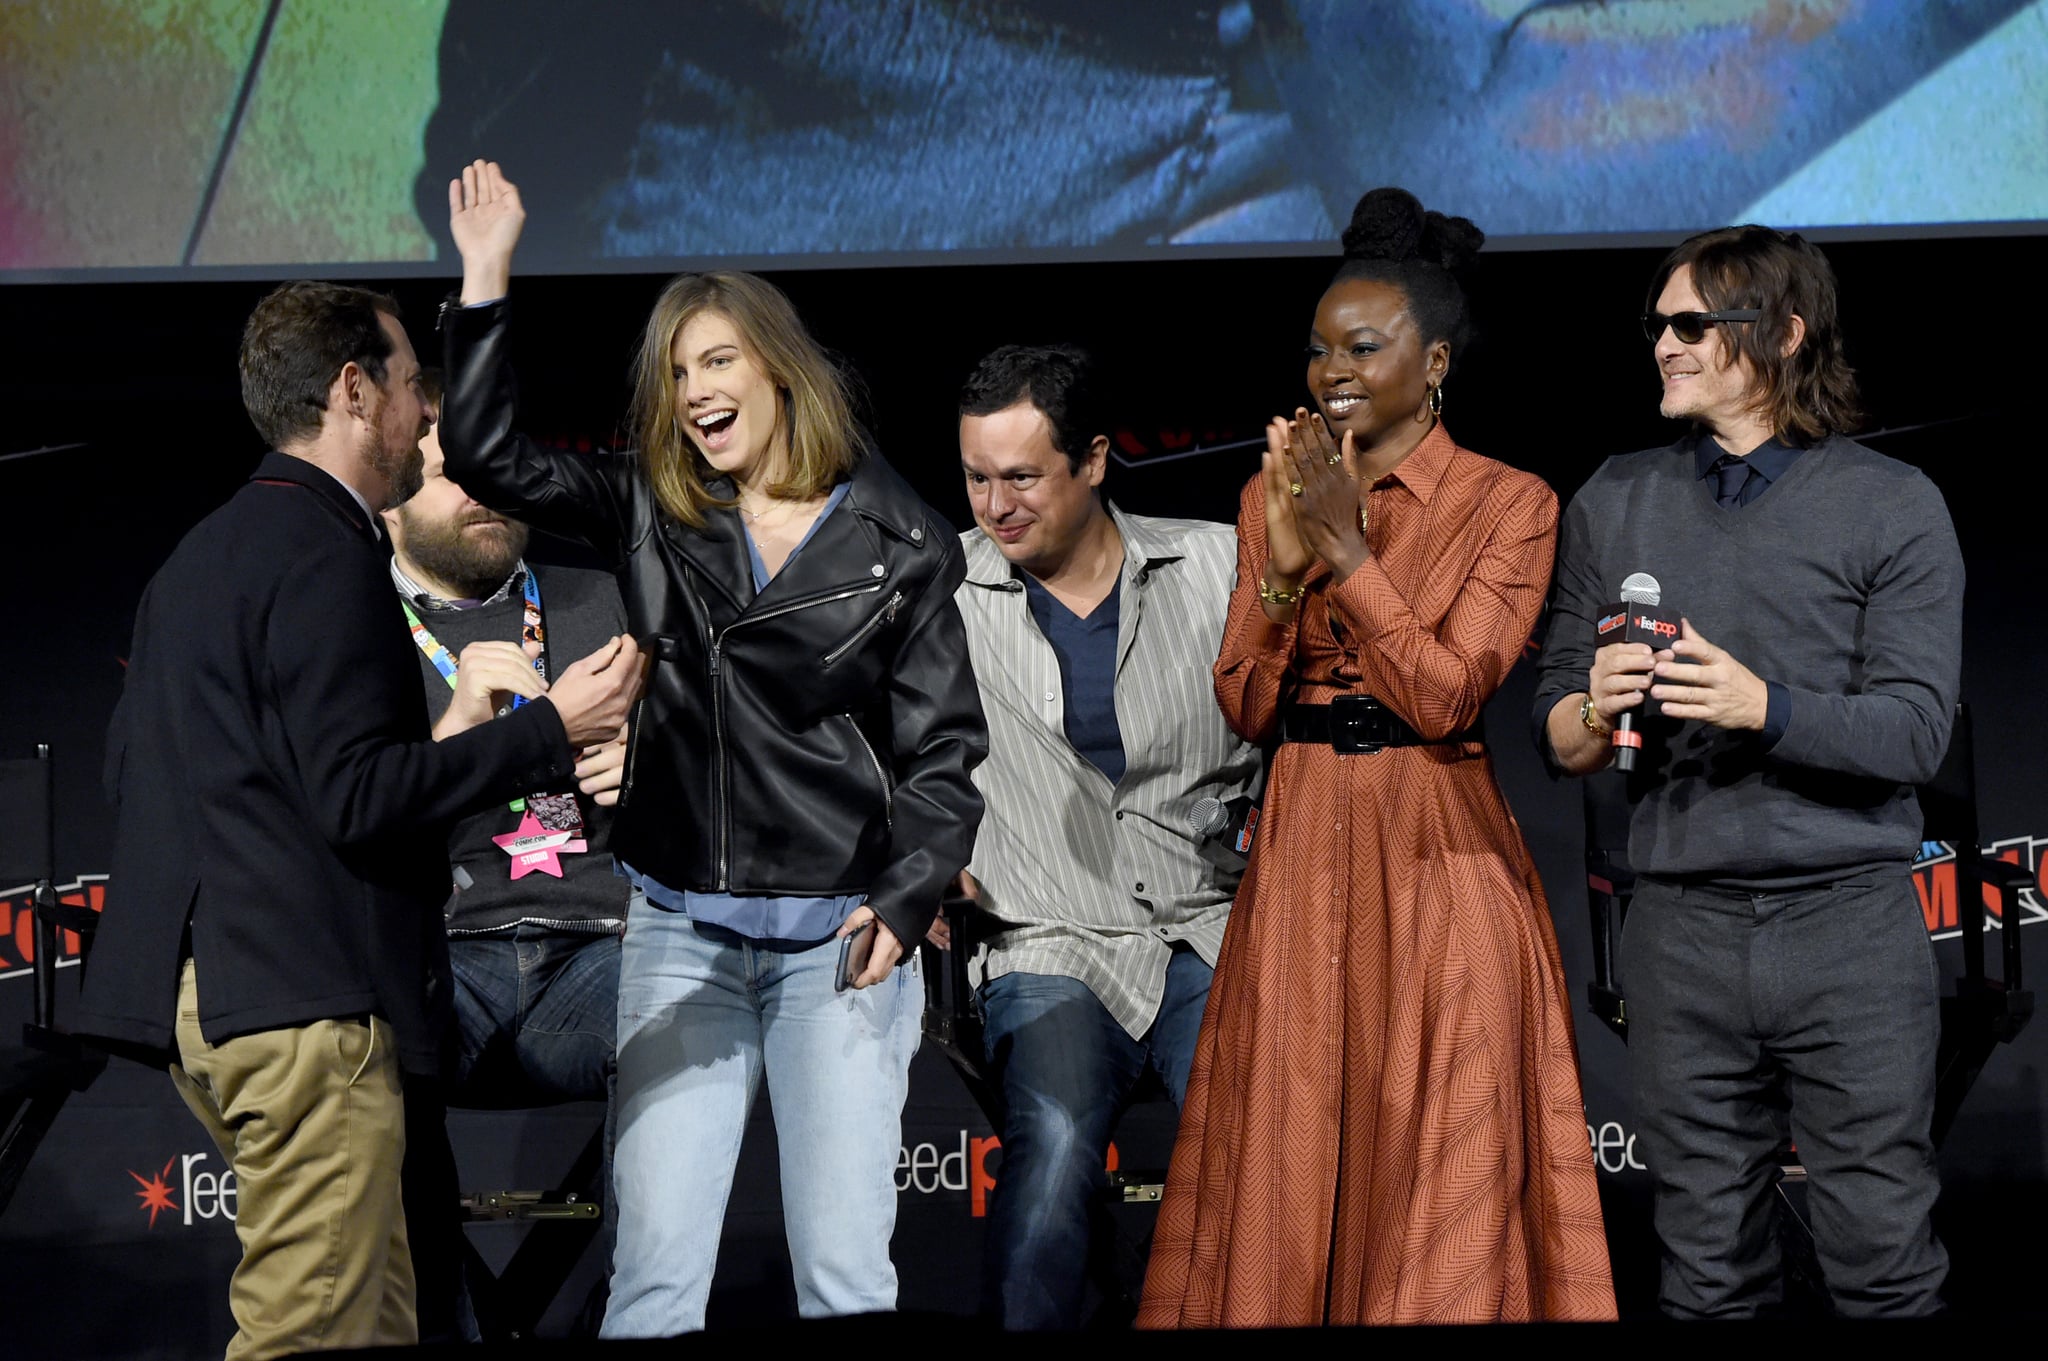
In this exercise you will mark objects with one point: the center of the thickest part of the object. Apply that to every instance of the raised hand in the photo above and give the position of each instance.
(487, 675)
(485, 217)
(1327, 511)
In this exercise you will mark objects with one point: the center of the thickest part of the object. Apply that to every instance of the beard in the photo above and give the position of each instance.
(401, 465)
(474, 561)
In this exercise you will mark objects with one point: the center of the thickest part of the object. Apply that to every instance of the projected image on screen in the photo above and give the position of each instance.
(294, 133)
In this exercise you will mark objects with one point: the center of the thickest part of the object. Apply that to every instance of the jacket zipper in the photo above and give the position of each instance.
(881, 776)
(724, 798)
(632, 751)
(723, 763)
(886, 615)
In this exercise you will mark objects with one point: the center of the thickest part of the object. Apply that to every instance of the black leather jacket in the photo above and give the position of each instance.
(814, 740)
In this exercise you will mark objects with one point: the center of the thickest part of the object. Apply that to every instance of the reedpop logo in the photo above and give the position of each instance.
(195, 1194)
(1614, 1148)
(927, 1169)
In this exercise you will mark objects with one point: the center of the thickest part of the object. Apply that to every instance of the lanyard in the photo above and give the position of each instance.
(531, 630)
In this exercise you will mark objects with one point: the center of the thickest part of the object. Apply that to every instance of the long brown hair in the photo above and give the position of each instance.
(816, 410)
(1805, 395)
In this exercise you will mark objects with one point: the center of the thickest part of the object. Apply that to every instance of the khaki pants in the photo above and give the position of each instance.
(312, 1121)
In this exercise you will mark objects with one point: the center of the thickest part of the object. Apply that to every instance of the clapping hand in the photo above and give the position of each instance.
(1311, 501)
(1327, 511)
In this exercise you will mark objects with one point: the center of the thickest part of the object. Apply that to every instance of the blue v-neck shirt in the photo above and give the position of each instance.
(1086, 649)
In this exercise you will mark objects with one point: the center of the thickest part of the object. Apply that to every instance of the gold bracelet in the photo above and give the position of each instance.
(1273, 597)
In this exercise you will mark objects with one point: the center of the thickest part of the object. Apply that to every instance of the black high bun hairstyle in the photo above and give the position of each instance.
(1394, 240)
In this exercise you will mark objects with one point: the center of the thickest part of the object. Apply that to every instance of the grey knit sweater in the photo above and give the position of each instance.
(1843, 583)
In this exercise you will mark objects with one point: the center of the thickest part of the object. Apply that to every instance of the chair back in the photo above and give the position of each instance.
(28, 848)
(28, 851)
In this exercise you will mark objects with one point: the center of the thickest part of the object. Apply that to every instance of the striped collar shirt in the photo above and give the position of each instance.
(1086, 879)
(422, 598)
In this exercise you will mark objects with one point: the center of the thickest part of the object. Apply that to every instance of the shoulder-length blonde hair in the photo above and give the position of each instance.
(816, 408)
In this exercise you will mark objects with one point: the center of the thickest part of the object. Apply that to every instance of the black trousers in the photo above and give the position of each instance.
(1818, 1004)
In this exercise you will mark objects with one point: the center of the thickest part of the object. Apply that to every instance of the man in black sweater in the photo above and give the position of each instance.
(1775, 954)
(537, 912)
(280, 857)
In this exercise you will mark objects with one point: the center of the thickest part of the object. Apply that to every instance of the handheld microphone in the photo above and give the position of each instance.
(1640, 616)
(1234, 823)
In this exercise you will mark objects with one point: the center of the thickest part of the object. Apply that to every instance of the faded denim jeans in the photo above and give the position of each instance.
(704, 1015)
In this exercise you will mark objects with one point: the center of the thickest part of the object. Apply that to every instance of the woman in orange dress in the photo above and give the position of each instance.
(1383, 1123)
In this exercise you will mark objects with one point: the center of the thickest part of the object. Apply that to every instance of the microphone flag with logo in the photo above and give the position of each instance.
(1234, 823)
(1640, 616)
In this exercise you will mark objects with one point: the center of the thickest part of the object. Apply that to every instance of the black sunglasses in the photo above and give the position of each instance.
(1691, 327)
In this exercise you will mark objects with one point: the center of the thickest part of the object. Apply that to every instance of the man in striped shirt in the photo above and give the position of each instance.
(1092, 634)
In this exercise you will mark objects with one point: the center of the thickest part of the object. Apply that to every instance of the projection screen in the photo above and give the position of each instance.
(189, 138)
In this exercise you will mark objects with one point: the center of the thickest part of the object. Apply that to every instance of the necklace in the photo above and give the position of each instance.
(774, 504)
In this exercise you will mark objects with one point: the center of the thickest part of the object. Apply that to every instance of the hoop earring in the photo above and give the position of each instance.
(1436, 400)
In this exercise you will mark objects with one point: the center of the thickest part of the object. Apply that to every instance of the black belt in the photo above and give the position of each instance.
(1355, 725)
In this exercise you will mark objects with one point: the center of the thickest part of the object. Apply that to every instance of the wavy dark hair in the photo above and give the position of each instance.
(1810, 393)
(1394, 240)
(1057, 379)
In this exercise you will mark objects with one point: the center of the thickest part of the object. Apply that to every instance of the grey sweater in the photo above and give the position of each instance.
(1843, 583)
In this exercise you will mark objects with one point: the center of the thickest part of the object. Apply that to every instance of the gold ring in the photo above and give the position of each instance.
(1294, 488)
(1334, 459)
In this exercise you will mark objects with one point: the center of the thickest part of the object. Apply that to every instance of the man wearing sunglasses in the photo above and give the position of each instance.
(1776, 961)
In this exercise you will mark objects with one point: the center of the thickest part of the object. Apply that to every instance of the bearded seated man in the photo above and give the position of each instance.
(536, 915)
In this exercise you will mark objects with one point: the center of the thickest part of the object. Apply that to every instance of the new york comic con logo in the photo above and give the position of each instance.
(17, 923)
(1934, 880)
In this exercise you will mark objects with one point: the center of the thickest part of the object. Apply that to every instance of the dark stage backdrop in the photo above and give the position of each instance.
(121, 1239)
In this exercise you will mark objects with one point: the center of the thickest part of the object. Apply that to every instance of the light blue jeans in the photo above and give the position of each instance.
(704, 1014)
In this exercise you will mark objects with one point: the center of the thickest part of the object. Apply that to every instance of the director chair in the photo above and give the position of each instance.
(38, 1075)
(1116, 1258)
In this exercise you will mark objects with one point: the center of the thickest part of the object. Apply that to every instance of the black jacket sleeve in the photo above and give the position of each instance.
(938, 735)
(585, 497)
(343, 698)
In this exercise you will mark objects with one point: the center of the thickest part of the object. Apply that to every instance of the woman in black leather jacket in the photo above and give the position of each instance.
(798, 767)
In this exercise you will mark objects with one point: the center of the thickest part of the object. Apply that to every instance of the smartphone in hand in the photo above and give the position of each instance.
(854, 949)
